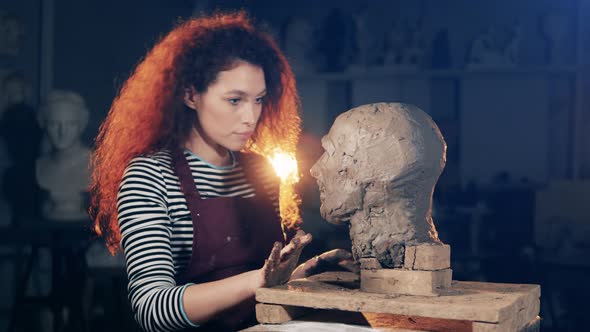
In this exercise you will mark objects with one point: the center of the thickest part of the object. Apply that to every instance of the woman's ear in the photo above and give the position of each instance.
(191, 98)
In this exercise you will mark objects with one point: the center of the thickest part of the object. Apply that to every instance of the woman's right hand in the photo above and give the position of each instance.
(280, 264)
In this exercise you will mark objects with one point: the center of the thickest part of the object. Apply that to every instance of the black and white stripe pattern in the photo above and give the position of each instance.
(157, 231)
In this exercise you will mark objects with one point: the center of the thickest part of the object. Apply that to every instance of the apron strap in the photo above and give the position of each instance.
(187, 184)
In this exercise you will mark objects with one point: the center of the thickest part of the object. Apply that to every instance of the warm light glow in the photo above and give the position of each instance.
(285, 165)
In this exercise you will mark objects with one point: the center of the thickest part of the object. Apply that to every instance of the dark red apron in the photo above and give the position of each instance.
(231, 235)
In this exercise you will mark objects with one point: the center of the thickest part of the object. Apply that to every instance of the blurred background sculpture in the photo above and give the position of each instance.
(378, 172)
(406, 45)
(496, 47)
(297, 38)
(21, 135)
(11, 34)
(556, 29)
(62, 171)
(336, 41)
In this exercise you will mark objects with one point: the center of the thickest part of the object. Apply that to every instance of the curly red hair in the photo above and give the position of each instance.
(148, 114)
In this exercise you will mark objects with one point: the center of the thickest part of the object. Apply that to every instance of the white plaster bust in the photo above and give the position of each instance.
(378, 172)
(63, 170)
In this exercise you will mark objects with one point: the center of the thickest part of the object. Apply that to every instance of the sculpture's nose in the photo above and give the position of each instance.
(315, 169)
(61, 130)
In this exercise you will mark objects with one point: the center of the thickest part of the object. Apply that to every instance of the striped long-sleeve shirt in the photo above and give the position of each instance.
(157, 231)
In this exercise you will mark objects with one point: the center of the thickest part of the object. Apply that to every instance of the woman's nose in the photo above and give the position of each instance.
(249, 116)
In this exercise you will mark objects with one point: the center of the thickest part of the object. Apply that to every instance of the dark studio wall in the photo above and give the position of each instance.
(98, 43)
(512, 200)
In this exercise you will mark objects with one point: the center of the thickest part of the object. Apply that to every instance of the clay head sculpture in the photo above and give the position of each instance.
(378, 172)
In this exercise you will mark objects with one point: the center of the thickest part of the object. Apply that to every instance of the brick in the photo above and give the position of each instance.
(405, 282)
(370, 263)
(428, 257)
(276, 314)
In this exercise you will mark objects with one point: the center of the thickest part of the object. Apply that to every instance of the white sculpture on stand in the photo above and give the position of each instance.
(63, 170)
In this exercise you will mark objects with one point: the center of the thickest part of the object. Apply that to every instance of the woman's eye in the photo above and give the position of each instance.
(234, 101)
(259, 100)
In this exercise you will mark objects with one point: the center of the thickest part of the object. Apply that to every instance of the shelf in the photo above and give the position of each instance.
(410, 73)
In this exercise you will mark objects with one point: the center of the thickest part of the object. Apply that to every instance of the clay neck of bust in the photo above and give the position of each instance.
(418, 210)
(415, 210)
(67, 153)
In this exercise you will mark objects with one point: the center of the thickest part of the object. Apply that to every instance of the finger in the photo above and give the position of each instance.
(275, 254)
(298, 273)
(336, 255)
(290, 247)
(266, 268)
(297, 243)
(306, 239)
(298, 249)
(302, 241)
(350, 265)
(315, 265)
(293, 258)
(299, 233)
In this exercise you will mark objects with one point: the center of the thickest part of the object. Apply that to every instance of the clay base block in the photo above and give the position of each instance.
(428, 257)
(405, 282)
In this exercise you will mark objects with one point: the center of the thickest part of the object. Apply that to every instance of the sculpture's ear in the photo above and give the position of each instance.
(375, 193)
(410, 174)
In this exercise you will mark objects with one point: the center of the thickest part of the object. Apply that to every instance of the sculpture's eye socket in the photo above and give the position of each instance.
(343, 172)
(328, 145)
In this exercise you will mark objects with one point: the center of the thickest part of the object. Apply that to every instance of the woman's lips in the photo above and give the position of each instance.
(245, 134)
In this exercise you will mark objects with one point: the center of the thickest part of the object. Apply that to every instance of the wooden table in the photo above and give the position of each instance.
(466, 306)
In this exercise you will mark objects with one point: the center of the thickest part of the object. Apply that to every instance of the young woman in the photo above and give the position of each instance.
(177, 184)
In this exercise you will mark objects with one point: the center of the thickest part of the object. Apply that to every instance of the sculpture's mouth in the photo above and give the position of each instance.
(346, 217)
(336, 215)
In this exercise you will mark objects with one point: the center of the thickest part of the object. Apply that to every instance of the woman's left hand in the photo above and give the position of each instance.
(282, 261)
(337, 259)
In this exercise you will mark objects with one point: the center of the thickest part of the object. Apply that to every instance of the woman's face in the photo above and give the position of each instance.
(63, 125)
(229, 109)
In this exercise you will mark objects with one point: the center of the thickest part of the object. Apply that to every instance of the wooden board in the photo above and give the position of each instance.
(418, 326)
(493, 303)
